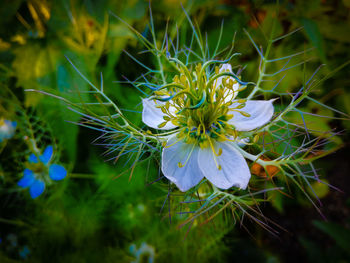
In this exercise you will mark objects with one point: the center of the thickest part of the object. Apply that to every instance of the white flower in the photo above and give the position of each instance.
(205, 141)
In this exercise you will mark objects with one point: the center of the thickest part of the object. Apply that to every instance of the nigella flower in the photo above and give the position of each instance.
(40, 172)
(206, 124)
(7, 129)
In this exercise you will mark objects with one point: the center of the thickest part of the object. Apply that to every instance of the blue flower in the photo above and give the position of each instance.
(7, 129)
(144, 254)
(24, 252)
(35, 176)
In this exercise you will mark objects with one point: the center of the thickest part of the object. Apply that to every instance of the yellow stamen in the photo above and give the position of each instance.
(188, 157)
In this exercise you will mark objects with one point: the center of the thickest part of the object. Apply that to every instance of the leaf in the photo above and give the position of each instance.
(337, 31)
(340, 234)
(276, 200)
(313, 32)
(135, 9)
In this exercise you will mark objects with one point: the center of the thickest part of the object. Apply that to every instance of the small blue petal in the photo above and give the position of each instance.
(14, 124)
(28, 172)
(27, 179)
(32, 158)
(57, 172)
(47, 154)
(36, 189)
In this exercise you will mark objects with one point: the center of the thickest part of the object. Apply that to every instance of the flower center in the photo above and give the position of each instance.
(201, 125)
(39, 169)
(201, 104)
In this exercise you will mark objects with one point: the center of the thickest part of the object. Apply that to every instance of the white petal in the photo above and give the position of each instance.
(226, 67)
(242, 142)
(153, 116)
(229, 94)
(260, 112)
(187, 176)
(234, 169)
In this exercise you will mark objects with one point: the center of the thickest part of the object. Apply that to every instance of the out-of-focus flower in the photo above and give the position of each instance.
(209, 121)
(24, 252)
(144, 254)
(12, 239)
(40, 172)
(7, 129)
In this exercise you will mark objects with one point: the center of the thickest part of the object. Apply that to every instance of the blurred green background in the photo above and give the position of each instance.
(93, 217)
